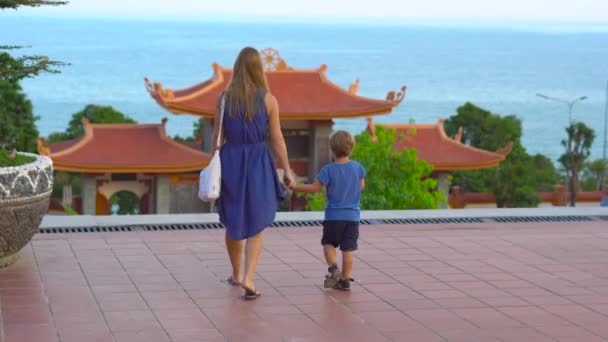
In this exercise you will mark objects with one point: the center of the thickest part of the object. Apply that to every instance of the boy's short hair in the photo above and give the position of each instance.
(342, 143)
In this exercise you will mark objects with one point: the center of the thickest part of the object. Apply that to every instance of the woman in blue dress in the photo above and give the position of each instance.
(251, 190)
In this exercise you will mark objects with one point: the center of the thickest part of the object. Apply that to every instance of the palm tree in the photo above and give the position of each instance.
(578, 147)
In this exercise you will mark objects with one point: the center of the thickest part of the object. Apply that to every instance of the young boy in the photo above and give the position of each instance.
(344, 179)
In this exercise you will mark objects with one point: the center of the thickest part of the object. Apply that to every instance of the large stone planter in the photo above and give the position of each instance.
(25, 192)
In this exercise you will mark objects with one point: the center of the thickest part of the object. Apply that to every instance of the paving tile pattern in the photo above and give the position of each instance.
(476, 282)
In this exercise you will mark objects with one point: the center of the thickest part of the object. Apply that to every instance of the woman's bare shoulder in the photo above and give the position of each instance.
(270, 100)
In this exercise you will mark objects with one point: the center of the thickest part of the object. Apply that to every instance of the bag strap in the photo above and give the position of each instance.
(219, 132)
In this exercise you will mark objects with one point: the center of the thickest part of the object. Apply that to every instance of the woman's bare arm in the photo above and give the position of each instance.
(310, 188)
(216, 126)
(276, 136)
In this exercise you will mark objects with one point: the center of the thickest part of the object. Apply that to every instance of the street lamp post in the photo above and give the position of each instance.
(605, 134)
(570, 105)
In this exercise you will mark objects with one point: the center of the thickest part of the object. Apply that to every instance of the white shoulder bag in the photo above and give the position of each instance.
(210, 180)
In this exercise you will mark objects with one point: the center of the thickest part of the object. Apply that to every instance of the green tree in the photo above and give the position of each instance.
(578, 148)
(483, 129)
(517, 179)
(17, 121)
(14, 69)
(512, 182)
(124, 203)
(95, 114)
(545, 174)
(396, 180)
(593, 174)
(197, 128)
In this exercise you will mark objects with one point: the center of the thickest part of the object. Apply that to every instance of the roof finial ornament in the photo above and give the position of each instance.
(164, 121)
(149, 85)
(458, 136)
(272, 61)
(505, 150)
(371, 128)
(354, 87)
(396, 97)
(43, 148)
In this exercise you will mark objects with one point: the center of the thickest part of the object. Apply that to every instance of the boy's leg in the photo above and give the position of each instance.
(330, 242)
(347, 265)
(333, 272)
(330, 255)
(348, 245)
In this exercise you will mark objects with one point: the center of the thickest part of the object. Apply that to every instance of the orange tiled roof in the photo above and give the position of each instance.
(124, 148)
(442, 152)
(301, 94)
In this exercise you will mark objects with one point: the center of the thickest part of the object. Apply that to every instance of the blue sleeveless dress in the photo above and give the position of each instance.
(251, 190)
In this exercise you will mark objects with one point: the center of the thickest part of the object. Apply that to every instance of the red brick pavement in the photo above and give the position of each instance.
(475, 282)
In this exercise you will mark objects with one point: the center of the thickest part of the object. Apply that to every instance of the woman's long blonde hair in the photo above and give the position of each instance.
(248, 79)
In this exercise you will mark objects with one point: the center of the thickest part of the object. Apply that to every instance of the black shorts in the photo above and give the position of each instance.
(343, 234)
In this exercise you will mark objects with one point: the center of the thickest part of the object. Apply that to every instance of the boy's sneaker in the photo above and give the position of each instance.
(342, 285)
(332, 277)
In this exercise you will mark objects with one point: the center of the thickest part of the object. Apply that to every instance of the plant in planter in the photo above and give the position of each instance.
(25, 189)
(26, 182)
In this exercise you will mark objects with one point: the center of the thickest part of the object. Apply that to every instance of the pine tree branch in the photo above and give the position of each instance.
(13, 47)
(14, 4)
(17, 69)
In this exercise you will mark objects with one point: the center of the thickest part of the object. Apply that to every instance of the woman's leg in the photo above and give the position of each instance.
(235, 252)
(253, 250)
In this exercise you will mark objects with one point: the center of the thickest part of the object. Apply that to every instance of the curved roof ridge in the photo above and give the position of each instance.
(452, 141)
(148, 149)
(443, 152)
(328, 100)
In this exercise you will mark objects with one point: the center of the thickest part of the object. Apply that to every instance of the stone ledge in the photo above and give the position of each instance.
(51, 221)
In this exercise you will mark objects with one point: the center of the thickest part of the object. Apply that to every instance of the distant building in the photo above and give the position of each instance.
(308, 104)
(139, 158)
(445, 154)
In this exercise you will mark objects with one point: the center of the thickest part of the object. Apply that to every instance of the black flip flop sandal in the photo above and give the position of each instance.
(250, 294)
(231, 281)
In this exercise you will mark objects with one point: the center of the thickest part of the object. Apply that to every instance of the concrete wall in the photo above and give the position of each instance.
(184, 200)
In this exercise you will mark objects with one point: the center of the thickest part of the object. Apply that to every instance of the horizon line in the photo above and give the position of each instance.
(548, 26)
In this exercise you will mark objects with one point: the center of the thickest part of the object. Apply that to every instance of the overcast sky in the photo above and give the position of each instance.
(589, 11)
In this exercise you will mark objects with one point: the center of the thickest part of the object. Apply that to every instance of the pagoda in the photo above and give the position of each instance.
(139, 158)
(308, 104)
(444, 153)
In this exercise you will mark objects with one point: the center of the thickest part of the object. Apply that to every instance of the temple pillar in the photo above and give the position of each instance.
(443, 185)
(67, 197)
(163, 195)
(320, 151)
(89, 194)
(207, 135)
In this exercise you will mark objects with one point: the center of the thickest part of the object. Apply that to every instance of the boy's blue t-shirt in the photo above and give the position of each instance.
(343, 183)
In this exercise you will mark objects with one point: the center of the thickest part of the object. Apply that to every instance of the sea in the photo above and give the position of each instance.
(500, 68)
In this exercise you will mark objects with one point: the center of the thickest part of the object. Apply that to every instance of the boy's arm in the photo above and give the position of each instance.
(362, 183)
(311, 188)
